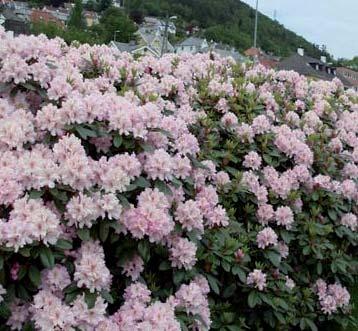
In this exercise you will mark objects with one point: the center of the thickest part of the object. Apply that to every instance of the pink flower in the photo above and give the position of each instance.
(229, 120)
(252, 160)
(14, 271)
(265, 214)
(258, 279)
(266, 237)
(133, 267)
(182, 253)
(190, 216)
(350, 221)
(284, 216)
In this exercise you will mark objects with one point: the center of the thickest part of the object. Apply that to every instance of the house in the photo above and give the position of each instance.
(224, 50)
(153, 23)
(16, 24)
(118, 3)
(154, 39)
(45, 15)
(311, 67)
(192, 45)
(267, 60)
(133, 48)
(349, 75)
(61, 13)
(91, 18)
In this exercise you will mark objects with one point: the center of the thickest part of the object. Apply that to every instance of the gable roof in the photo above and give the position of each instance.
(349, 75)
(192, 41)
(134, 48)
(302, 65)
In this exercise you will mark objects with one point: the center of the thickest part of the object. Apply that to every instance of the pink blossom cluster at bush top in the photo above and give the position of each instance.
(73, 146)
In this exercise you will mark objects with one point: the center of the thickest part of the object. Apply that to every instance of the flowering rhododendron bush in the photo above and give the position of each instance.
(186, 193)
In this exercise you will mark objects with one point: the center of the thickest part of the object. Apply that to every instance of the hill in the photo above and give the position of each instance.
(231, 22)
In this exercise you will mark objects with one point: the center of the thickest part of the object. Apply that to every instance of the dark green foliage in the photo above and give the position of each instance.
(76, 19)
(104, 4)
(114, 19)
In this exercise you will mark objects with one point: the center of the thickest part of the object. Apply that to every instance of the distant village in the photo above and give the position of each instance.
(153, 37)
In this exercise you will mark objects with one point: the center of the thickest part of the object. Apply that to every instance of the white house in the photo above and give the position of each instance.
(154, 23)
(133, 48)
(192, 45)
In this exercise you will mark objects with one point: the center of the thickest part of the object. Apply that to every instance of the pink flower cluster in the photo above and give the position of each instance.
(332, 296)
(257, 278)
(137, 312)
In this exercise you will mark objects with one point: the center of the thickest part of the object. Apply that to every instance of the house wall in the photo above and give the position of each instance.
(187, 49)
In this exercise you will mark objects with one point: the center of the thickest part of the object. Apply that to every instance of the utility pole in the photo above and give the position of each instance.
(255, 32)
(165, 37)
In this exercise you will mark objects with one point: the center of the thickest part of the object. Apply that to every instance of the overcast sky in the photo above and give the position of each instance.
(333, 23)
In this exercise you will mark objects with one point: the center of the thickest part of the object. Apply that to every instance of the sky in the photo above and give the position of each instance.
(333, 23)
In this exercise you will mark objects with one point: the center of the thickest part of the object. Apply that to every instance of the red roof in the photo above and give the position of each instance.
(39, 15)
(253, 52)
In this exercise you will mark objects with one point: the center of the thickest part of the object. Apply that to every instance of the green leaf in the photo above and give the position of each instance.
(23, 293)
(144, 250)
(34, 275)
(281, 302)
(35, 194)
(163, 187)
(63, 244)
(70, 297)
(60, 195)
(70, 288)
(196, 163)
(22, 272)
(107, 296)
(332, 215)
(229, 291)
(29, 86)
(311, 324)
(90, 299)
(274, 257)
(253, 299)
(85, 133)
(237, 270)
(315, 196)
(5, 311)
(214, 283)
(178, 276)
(147, 147)
(176, 182)
(103, 231)
(117, 141)
(141, 182)
(124, 201)
(47, 258)
(228, 317)
(319, 268)
(1, 262)
(165, 265)
(84, 234)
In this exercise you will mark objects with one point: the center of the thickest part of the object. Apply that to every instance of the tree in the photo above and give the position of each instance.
(114, 19)
(56, 3)
(104, 4)
(76, 19)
